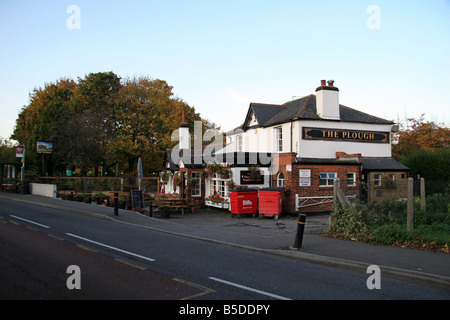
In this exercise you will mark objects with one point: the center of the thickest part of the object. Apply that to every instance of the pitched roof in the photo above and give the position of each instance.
(262, 112)
(303, 108)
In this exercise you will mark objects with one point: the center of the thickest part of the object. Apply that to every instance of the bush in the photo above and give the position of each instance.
(347, 222)
(100, 197)
(386, 223)
(389, 234)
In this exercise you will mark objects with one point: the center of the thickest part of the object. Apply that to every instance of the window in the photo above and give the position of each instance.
(279, 139)
(326, 179)
(377, 180)
(218, 186)
(280, 179)
(196, 190)
(351, 178)
(239, 143)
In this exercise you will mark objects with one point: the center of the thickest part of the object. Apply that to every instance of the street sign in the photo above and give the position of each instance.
(44, 147)
(20, 150)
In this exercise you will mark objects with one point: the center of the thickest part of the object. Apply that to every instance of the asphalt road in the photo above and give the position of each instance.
(119, 261)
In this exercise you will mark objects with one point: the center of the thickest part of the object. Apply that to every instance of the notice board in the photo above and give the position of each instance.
(137, 199)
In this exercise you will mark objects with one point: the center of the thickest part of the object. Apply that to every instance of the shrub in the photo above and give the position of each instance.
(347, 221)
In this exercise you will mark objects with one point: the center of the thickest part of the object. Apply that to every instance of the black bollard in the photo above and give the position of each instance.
(300, 229)
(150, 214)
(116, 203)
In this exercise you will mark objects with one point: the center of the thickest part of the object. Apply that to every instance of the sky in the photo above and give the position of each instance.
(390, 58)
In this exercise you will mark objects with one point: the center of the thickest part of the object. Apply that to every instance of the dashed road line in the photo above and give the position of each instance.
(29, 221)
(111, 247)
(249, 289)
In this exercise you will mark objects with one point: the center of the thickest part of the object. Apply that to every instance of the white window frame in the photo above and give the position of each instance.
(328, 177)
(219, 185)
(280, 179)
(352, 179)
(197, 189)
(279, 139)
(239, 144)
(377, 177)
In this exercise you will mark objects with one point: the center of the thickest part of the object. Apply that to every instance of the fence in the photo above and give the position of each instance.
(402, 198)
(94, 184)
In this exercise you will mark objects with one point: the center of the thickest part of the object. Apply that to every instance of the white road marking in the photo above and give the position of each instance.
(111, 247)
(38, 224)
(249, 289)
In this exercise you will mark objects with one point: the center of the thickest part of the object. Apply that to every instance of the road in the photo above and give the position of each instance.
(120, 261)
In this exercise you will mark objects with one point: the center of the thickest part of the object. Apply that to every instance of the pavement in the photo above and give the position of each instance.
(270, 236)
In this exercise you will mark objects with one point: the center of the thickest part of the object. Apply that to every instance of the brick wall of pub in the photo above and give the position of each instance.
(314, 190)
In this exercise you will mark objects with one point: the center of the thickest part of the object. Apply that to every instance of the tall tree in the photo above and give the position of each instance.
(146, 115)
(45, 119)
(418, 134)
(102, 120)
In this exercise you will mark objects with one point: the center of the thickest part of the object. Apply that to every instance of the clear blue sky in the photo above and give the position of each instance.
(219, 56)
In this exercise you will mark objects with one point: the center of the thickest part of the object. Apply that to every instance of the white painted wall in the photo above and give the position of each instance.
(263, 140)
(44, 190)
(328, 149)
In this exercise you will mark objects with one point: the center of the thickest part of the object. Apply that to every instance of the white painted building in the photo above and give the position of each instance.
(283, 128)
(306, 143)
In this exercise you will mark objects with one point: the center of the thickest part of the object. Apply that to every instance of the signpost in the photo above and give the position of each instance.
(44, 148)
(20, 153)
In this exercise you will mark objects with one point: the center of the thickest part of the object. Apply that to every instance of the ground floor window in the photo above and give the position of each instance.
(326, 179)
(351, 179)
(280, 180)
(218, 187)
(196, 189)
(377, 179)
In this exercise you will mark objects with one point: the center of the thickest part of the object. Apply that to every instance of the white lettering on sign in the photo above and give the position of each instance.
(247, 202)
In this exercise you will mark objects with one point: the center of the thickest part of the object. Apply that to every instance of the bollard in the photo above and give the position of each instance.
(150, 214)
(300, 229)
(116, 203)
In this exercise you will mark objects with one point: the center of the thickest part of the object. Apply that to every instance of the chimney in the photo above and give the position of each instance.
(183, 132)
(327, 100)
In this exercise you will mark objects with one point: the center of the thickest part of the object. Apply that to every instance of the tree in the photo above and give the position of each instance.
(92, 125)
(44, 119)
(418, 134)
(146, 115)
(102, 120)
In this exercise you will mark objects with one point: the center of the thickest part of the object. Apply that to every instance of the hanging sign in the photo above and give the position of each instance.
(345, 135)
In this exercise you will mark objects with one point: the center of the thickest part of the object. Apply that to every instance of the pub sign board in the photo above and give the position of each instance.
(44, 147)
(248, 178)
(345, 135)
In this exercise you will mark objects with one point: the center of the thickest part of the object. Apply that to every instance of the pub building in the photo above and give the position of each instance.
(306, 144)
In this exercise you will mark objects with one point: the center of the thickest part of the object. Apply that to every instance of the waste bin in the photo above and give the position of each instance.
(244, 201)
(270, 202)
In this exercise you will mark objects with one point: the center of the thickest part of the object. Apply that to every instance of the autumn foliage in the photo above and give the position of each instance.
(102, 122)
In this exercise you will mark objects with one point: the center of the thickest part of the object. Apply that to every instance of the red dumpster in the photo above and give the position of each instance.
(270, 202)
(244, 201)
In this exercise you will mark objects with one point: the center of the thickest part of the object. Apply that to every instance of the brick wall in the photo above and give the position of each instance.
(314, 190)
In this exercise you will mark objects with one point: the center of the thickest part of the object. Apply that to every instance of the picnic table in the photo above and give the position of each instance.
(175, 203)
